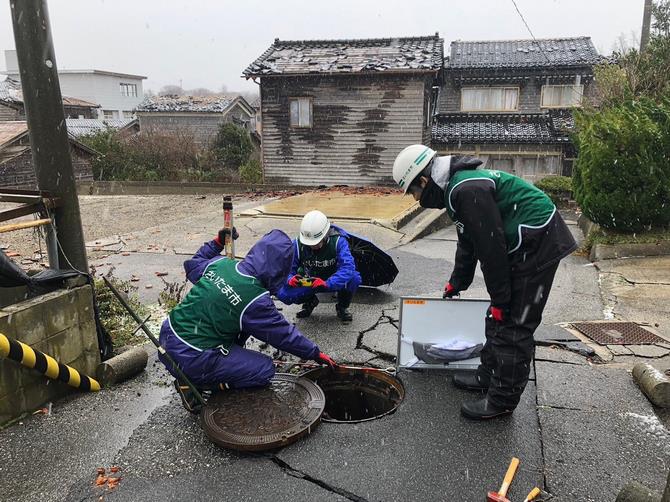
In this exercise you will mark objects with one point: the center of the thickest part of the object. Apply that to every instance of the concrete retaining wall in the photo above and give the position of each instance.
(61, 324)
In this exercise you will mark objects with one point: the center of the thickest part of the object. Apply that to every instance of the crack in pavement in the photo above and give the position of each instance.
(553, 407)
(384, 318)
(296, 473)
(629, 281)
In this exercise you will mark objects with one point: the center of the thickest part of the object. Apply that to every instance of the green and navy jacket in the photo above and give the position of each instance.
(230, 299)
(333, 262)
(507, 224)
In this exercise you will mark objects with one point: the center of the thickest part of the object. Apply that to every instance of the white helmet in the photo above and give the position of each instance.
(409, 163)
(314, 227)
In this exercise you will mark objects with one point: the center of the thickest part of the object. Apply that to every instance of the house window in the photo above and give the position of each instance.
(301, 112)
(109, 114)
(489, 99)
(562, 96)
(129, 90)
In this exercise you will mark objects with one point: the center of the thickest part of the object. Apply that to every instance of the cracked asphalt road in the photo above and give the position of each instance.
(581, 431)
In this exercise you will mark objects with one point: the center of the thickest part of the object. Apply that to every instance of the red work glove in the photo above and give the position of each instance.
(325, 359)
(293, 281)
(319, 283)
(220, 239)
(497, 313)
(449, 291)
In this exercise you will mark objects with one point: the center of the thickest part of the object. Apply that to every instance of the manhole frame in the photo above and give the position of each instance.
(632, 333)
(274, 440)
(385, 376)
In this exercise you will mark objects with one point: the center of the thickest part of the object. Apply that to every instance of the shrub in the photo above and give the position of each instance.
(558, 188)
(232, 146)
(251, 172)
(116, 321)
(621, 178)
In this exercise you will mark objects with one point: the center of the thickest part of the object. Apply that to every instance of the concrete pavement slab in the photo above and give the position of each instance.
(426, 450)
(589, 456)
(558, 355)
(170, 458)
(552, 332)
(372, 206)
(600, 388)
(42, 455)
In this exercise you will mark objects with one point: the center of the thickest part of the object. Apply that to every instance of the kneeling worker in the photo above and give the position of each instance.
(517, 235)
(322, 256)
(230, 300)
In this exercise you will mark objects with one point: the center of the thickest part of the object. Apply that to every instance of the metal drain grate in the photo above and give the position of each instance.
(617, 333)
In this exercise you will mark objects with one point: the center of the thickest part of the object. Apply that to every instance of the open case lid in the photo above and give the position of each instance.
(435, 320)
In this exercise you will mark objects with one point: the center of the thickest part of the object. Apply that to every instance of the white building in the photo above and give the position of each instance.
(116, 93)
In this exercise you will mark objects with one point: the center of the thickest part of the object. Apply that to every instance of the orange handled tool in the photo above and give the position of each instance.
(533, 493)
(229, 245)
(501, 495)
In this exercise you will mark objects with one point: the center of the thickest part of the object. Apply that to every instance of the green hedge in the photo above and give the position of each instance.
(621, 177)
(558, 188)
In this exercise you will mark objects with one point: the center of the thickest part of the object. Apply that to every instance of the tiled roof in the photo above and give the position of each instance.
(81, 127)
(171, 103)
(10, 92)
(493, 128)
(10, 130)
(523, 53)
(374, 55)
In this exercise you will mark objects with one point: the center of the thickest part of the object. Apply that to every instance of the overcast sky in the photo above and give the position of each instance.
(208, 43)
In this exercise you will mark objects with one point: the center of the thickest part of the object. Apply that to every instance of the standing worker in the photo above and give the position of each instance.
(517, 235)
(230, 301)
(322, 255)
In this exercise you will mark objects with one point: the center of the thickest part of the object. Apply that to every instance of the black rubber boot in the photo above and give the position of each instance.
(188, 399)
(342, 307)
(471, 381)
(308, 307)
(483, 409)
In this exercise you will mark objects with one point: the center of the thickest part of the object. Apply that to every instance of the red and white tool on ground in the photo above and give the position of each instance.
(229, 245)
(501, 495)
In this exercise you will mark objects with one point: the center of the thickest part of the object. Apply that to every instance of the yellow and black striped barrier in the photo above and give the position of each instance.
(45, 364)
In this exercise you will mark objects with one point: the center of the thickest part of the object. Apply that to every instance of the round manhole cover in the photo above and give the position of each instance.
(263, 419)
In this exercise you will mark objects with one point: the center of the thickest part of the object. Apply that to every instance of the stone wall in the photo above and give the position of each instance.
(60, 324)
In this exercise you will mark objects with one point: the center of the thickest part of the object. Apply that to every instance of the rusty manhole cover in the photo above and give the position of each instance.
(617, 333)
(263, 419)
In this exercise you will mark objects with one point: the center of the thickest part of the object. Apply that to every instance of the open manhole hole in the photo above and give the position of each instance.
(357, 394)
(617, 333)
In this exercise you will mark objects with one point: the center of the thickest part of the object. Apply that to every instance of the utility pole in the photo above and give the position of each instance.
(46, 125)
(646, 25)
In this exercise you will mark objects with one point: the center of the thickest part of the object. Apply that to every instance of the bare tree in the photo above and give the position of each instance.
(200, 91)
(171, 90)
(660, 12)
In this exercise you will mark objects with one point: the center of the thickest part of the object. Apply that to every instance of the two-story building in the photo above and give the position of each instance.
(509, 102)
(117, 93)
(339, 111)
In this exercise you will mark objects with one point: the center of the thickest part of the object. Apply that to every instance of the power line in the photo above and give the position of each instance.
(572, 87)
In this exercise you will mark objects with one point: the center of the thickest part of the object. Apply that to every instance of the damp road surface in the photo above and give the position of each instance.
(581, 430)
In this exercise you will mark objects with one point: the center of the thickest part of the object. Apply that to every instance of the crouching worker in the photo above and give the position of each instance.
(322, 257)
(230, 300)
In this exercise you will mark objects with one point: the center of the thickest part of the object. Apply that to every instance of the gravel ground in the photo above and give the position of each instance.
(104, 216)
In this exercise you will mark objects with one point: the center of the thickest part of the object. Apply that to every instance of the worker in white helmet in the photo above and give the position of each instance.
(323, 260)
(518, 237)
